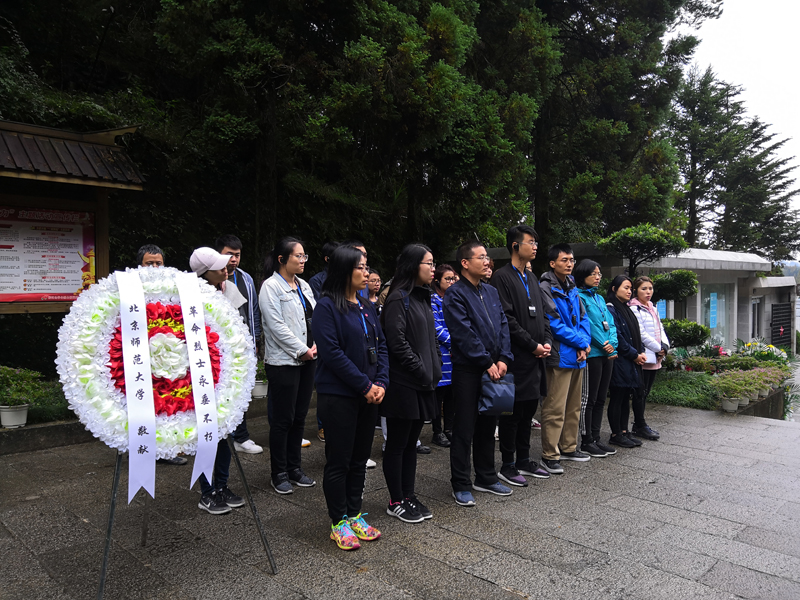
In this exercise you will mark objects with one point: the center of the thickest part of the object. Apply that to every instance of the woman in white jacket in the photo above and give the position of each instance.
(656, 345)
(287, 305)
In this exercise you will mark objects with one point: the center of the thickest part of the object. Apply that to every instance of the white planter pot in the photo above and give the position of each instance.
(260, 389)
(12, 417)
(754, 396)
(730, 404)
(745, 401)
(764, 393)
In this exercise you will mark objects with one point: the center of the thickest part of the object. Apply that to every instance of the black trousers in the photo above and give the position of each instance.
(599, 371)
(400, 457)
(641, 397)
(470, 430)
(515, 432)
(288, 398)
(349, 431)
(444, 409)
(619, 407)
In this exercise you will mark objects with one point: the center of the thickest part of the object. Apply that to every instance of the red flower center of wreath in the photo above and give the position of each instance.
(170, 396)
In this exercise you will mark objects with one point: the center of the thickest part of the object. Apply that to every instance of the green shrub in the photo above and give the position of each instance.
(684, 388)
(701, 364)
(734, 363)
(18, 386)
(49, 404)
(683, 333)
(676, 285)
(46, 398)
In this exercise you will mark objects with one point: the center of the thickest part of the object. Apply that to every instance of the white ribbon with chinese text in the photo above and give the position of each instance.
(205, 401)
(138, 385)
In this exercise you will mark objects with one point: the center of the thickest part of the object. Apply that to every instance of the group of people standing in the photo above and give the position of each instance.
(422, 348)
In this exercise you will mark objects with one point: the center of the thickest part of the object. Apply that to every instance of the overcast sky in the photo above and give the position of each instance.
(754, 45)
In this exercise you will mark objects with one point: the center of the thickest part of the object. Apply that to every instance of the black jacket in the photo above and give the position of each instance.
(477, 324)
(414, 358)
(526, 331)
(626, 374)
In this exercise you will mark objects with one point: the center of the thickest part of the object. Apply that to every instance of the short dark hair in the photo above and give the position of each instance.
(229, 240)
(374, 272)
(148, 249)
(328, 248)
(583, 269)
(353, 244)
(465, 251)
(517, 233)
(557, 249)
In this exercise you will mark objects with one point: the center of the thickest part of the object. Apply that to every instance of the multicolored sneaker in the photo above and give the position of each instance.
(363, 531)
(344, 536)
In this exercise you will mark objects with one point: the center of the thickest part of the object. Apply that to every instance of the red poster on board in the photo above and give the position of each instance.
(46, 255)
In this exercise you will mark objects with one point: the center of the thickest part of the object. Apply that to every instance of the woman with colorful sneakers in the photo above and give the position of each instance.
(415, 368)
(352, 377)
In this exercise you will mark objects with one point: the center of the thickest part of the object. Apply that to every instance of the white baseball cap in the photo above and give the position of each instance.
(207, 259)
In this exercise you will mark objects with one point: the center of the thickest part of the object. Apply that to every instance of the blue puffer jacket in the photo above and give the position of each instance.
(568, 322)
(443, 335)
(597, 313)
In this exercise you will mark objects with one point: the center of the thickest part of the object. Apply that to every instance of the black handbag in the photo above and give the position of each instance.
(497, 397)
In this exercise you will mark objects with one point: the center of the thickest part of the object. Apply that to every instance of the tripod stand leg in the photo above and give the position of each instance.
(252, 504)
(148, 501)
(112, 509)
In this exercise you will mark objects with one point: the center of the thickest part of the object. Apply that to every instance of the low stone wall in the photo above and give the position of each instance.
(770, 407)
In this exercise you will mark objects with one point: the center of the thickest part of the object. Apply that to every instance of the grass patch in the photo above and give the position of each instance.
(684, 388)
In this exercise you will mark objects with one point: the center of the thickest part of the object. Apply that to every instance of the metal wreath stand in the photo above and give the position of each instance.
(146, 517)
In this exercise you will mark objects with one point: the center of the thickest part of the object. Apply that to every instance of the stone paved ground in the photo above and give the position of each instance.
(711, 512)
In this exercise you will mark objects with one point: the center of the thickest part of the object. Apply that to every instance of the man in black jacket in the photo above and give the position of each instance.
(529, 329)
(479, 342)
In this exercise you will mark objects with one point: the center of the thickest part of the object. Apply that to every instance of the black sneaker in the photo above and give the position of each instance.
(421, 508)
(621, 440)
(577, 456)
(440, 439)
(633, 440)
(213, 504)
(423, 449)
(607, 449)
(405, 511)
(593, 450)
(646, 432)
(230, 498)
(552, 466)
(297, 477)
(512, 476)
(281, 483)
(531, 468)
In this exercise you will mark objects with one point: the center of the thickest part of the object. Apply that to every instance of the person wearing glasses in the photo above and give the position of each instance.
(529, 328)
(352, 377)
(442, 423)
(415, 368)
(561, 408)
(480, 343)
(287, 307)
(373, 287)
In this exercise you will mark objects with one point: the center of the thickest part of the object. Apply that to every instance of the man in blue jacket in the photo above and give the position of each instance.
(561, 408)
(479, 342)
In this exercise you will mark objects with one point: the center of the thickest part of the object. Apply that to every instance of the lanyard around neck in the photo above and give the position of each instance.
(364, 322)
(524, 279)
(299, 293)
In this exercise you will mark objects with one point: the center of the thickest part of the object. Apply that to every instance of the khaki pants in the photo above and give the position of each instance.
(561, 412)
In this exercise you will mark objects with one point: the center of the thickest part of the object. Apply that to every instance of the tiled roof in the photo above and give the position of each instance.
(46, 154)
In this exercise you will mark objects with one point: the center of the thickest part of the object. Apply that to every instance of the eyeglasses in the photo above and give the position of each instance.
(452, 279)
(532, 243)
(482, 258)
(568, 261)
(301, 257)
(364, 268)
(431, 264)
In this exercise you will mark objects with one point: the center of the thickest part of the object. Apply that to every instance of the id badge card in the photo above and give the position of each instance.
(531, 310)
(373, 356)
(606, 325)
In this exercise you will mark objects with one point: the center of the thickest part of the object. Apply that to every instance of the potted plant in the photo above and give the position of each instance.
(17, 388)
(260, 389)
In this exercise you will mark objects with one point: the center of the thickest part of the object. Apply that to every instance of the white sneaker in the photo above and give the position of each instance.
(248, 447)
(496, 433)
(371, 464)
(305, 443)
